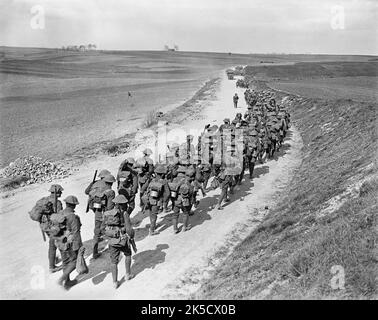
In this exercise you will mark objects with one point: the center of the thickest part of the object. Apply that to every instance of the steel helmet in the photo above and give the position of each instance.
(103, 173)
(109, 178)
(169, 155)
(160, 169)
(56, 188)
(141, 162)
(124, 174)
(120, 199)
(181, 169)
(131, 160)
(147, 151)
(190, 172)
(71, 200)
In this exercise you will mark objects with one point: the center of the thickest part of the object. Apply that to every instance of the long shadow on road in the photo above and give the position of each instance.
(148, 259)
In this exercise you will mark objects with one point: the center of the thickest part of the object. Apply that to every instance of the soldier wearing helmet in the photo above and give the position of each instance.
(235, 99)
(150, 163)
(118, 229)
(70, 252)
(172, 165)
(182, 193)
(55, 193)
(128, 186)
(100, 200)
(127, 181)
(157, 192)
(97, 184)
(144, 178)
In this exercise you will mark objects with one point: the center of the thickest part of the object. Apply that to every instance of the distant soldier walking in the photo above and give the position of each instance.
(236, 99)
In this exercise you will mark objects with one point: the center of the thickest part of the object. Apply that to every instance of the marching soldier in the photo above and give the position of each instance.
(101, 200)
(128, 186)
(117, 227)
(150, 163)
(157, 191)
(70, 243)
(144, 178)
(235, 99)
(184, 199)
(43, 217)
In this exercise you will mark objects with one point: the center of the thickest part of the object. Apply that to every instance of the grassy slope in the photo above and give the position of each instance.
(291, 254)
(305, 70)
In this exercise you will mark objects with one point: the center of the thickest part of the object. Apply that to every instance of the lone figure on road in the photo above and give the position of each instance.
(236, 99)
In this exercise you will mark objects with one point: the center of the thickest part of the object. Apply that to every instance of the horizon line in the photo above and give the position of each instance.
(219, 52)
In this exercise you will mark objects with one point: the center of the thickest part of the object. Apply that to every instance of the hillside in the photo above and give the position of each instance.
(325, 223)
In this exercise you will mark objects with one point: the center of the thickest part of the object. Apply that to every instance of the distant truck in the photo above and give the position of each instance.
(230, 74)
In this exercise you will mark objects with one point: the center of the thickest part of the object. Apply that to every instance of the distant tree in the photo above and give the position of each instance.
(166, 48)
(176, 47)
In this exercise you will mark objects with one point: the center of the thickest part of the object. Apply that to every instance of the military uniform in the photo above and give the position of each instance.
(184, 200)
(106, 194)
(118, 229)
(225, 182)
(69, 253)
(45, 224)
(157, 191)
(128, 186)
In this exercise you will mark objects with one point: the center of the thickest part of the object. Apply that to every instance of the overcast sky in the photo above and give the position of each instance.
(245, 26)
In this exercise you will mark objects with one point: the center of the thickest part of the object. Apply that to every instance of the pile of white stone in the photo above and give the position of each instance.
(35, 169)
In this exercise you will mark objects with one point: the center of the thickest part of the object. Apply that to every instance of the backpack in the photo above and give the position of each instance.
(43, 206)
(57, 224)
(99, 201)
(185, 192)
(156, 188)
(125, 180)
(112, 218)
(173, 187)
(97, 196)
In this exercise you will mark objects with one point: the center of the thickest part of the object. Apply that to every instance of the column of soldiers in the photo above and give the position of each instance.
(171, 185)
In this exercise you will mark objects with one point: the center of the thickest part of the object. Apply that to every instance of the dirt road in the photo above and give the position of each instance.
(166, 265)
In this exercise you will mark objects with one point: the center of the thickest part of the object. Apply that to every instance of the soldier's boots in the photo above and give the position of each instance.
(66, 283)
(187, 226)
(70, 283)
(55, 269)
(95, 254)
(152, 231)
(175, 228)
(129, 275)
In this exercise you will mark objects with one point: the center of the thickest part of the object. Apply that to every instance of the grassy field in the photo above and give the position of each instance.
(357, 88)
(326, 222)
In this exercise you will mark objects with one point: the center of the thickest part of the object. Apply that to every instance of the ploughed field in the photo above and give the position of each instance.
(54, 103)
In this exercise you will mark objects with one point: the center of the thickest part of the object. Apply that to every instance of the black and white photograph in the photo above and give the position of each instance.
(188, 150)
